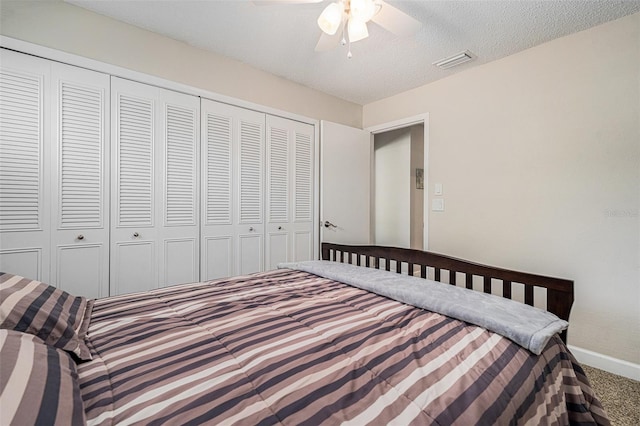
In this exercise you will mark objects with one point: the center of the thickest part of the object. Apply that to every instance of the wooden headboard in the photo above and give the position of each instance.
(427, 264)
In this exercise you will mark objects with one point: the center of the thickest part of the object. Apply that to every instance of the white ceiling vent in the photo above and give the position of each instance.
(455, 60)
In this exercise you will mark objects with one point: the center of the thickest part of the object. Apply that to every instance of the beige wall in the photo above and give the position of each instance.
(75, 30)
(539, 155)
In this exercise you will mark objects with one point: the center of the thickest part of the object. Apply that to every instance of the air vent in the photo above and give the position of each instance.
(455, 60)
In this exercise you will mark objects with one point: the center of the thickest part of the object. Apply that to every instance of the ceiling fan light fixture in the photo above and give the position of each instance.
(330, 18)
(363, 10)
(357, 30)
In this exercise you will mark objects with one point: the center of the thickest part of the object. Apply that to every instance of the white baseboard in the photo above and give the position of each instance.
(606, 363)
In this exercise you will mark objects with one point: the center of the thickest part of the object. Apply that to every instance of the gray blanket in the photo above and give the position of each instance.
(529, 327)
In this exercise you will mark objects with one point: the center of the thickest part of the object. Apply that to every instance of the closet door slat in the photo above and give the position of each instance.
(21, 154)
(180, 166)
(81, 151)
(218, 169)
(135, 161)
(251, 172)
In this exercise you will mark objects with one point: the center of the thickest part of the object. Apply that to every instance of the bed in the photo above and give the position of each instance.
(290, 346)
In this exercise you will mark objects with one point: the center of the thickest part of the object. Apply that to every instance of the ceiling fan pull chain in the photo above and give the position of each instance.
(349, 54)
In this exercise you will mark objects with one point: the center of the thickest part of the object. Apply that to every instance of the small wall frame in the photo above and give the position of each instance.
(419, 178)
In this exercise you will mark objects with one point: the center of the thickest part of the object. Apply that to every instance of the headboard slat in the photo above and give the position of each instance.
(506, 289)
(487, 284)
(528, 294)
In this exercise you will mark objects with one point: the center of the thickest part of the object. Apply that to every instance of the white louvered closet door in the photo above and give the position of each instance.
(250, 182)
(134, 216)
(289, 229)
(155, 236)
(179, 248)
(24, 147)
(232, 190)
(80, 176)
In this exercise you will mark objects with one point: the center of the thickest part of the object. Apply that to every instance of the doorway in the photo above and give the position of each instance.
(417, 210)
(398, 187)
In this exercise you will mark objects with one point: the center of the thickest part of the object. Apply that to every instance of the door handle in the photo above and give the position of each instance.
(328, 224)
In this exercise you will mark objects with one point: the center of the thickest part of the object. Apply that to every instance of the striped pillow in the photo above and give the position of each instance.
(53, 315)
(38, 383)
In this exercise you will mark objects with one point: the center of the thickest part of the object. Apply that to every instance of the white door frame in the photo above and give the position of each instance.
(399, 124)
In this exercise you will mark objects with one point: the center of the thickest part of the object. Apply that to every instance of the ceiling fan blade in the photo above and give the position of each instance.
(272, 2)
(328, 42)
(396, 21)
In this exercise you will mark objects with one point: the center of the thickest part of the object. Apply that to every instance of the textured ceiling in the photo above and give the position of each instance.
(281, 38)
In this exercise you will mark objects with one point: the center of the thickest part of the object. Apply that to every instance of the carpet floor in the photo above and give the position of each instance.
(619, 395)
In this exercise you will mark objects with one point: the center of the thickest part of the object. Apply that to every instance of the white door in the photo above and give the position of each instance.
(250, 200)
(290, 171)
(232, 190)
(155, 238)
(302, 201)
(279, 192)
(345, 184)
(179, 233)
(25, 144)
(80, 176)
(217, 245)
(134, 236)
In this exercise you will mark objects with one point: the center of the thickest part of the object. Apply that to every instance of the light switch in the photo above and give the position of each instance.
(437, 204)
(437, 189)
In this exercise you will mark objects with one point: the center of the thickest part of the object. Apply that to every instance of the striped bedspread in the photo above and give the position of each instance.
(289, 347)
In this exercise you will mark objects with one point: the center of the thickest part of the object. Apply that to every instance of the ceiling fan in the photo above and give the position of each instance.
(345, 21)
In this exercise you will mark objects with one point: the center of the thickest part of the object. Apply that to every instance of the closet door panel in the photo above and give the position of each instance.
(249, 255)
(277, 248)
(180, 230)
(24, 147)
(217, 257)
(133, 203)
(134, 265)
(278, 192)
(290, 147)
(302, 246)
(232, 193)
(180, 263)
(26, 262)
(80, 178)
(250, 180)
(217, 154)
(303, 206)
(82, 269)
